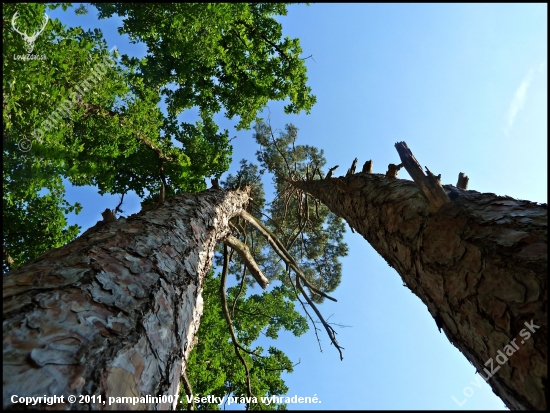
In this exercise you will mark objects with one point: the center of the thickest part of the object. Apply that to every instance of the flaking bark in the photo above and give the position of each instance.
(479, 264)
(115, 312)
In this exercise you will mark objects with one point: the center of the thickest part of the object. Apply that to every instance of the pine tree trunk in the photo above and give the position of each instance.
(114, 313)
(479, 265)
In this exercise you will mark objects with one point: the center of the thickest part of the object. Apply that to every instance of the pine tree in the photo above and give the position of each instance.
(140, 308)
(478, 262)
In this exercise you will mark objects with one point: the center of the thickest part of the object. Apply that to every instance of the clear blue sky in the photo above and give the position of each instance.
(465, 85)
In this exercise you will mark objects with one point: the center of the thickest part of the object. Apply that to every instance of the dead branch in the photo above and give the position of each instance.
(248, 260)
(330, 331)
(243, 280)
(393, 169)
(351, 170)
(301, 226)
(429, 185)
(281, 251)
(117, 209)
(215, 183)
(315, 329)
(330, 171)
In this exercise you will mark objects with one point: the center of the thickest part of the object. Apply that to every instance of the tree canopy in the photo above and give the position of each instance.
(93, 118)
(86, 115)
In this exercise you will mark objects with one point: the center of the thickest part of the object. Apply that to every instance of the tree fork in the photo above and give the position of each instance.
(114, 312)
(478, 261)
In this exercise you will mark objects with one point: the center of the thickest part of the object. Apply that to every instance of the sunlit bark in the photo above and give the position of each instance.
(114, 313)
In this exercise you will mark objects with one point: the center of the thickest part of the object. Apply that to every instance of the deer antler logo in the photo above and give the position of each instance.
(29, 39)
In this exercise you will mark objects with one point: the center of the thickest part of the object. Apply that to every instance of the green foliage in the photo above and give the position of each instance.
(309, 231)
(34, 222)
(213, 366)
(94, 119)
(89, 117)
(81, 10)
(222, 55)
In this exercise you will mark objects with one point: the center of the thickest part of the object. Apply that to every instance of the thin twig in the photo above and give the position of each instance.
(280, 153)
(330, 331)
(315, 329)
(117, 209)
(243, 280)
(236, 344)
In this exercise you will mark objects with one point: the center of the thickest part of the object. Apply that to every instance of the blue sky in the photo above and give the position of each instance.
(465, 85)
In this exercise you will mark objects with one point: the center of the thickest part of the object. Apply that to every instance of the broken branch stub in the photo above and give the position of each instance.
(351, 170)
(462, 181)
(393, 169)
(430, 185)
(330, 171)
(367, 167)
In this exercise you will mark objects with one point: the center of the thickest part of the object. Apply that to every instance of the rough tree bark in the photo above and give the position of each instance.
(114, 313)
(478, 262)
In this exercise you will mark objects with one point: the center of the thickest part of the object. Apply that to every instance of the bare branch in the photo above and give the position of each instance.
(330, 171)
(188, 390)
(293, 240)
(429, 185)
(247, 258)
(236, 344)
(268, 217)
(330, 331)
(243, 279)
(393, 169)
(281, 251)
(315, 329)
(117, 209)
(367, 167)
(351, 170)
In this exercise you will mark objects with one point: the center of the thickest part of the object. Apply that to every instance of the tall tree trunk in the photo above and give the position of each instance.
(114, 313)
(478, 263)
